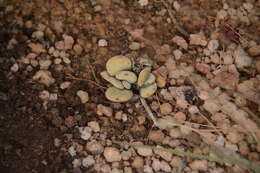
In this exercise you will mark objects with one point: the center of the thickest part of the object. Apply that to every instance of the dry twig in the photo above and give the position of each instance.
(92, 71)
(148, 110)
(86, 80)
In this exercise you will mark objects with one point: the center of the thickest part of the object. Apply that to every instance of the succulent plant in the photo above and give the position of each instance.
(118, 95)
(119, 73)
(118, 63)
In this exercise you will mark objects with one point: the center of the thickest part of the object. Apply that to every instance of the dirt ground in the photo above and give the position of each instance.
(206, 54)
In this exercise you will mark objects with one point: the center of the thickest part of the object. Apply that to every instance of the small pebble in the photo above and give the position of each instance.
(70, 121)
(88, 161)
(177, 54)
(56, 53)
(193, 109)
(31, 56)
(212, 106)
(65, 85)
(85, 132)
(124, 117)
(44, 77)
(128, 170)
(201, 165)
(241, 58)
(254, 51)
(44, 95)
(104, 110)
(68, 42)
(76, 163)
(138, 162)
(119, 115)
(164, 154)
(57, 61)
(228, 59)
(197, 39)
(102, 43)
(156, 165)
(51, 50)
(15, 68)
(94, 126)
(148, 169)
(166, 108)
(176, 5)
(213, 45)
(134, 46)
(29, 68)
(66, 60)
(126, 155)
(34, 62)
(72, 151)
(112, 154)
(144, 151)
(156, 136)
(141, 119)
(105, 168)
(37, 34)
(44, 64)
(78, 49)
(165, 166)
(59, 45)
(57, 142)
(83, 95)
(94, 147)
(143, 2)
(37, 48)
(53, 97)
(180, 116)
(180, 42)
(234, 136)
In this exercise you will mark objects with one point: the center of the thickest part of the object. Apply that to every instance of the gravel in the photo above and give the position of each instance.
(65, 85)
(144, 151)
(165, 166)
(85, 132)
(88, 161)
(14, 68)
(201, 165)
(72, 151)
(138, 162)
(94, 126)
(104, 110)
(83, 95)
(95, 147)
(134, 46)
(112, 154)
(44, 77)
(102, 43)
(241, 58)
(166, 108)
(167, 156)
(156, 136)
(197, 39)
(214, 72)
(180, 42)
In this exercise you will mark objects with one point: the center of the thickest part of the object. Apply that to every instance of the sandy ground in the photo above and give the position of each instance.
(54, 117)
